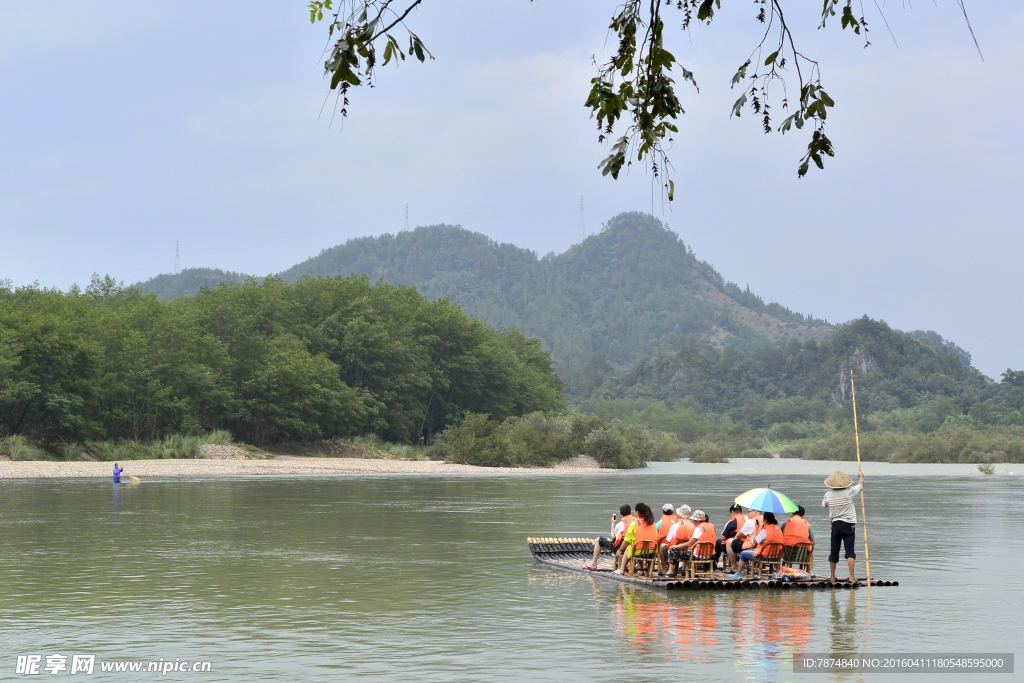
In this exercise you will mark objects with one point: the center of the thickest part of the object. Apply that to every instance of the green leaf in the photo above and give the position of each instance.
(688, 76)
(737, 107)
(771, 58)
(741, 73)
(705, 11)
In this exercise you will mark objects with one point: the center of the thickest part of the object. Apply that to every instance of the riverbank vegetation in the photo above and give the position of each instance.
(321, 359)
(173, 446)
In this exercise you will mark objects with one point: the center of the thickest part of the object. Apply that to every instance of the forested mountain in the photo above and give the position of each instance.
(916, 399)
(648, 338)
(896, 371)
(619, 294)
(189, 281)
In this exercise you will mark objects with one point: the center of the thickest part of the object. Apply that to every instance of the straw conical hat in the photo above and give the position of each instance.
(838, 480)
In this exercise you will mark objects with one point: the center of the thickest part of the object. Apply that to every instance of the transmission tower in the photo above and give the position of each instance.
(581, 230)
(177, 258)
(407, 217)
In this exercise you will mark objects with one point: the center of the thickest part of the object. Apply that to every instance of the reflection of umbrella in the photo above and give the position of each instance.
(766, 500)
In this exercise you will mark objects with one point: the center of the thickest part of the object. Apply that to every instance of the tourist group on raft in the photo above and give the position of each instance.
(683, 535)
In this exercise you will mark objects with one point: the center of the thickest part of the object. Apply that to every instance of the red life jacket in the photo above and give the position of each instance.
(666, 523)
(773, 535)
(797, 531)
(739, 518)
(626, 521)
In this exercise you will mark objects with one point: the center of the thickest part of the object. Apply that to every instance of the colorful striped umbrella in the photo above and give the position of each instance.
(766, 500)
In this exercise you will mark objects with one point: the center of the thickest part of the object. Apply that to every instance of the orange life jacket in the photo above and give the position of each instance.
(740, 518)
(666, 523)
(684, 532)
(645, 532)
(626, 521)
(748, 542)
(773, 535)
(797, 531)
(707, 534)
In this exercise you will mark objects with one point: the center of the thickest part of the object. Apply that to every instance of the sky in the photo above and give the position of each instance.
(128, 127)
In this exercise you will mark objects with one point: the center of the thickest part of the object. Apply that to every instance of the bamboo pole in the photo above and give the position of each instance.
(863, 513)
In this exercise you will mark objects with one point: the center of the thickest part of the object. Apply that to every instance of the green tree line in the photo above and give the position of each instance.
(266, 360)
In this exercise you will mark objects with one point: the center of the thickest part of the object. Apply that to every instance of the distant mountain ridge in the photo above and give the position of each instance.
(619, 294)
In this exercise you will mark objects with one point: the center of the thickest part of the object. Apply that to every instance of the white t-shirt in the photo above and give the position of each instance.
(673, 531)
(697, 533)
(761, 536)
(747, 528)
(619, 529)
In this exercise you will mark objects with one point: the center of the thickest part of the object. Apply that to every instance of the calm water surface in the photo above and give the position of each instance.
(428, 578)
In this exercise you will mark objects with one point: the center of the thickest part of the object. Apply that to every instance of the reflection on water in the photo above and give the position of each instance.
(763, 629)
(314, 578)
(650, 622)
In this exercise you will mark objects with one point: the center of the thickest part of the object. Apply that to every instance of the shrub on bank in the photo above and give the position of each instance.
(542, 440)
(17, 447)
(705, 451)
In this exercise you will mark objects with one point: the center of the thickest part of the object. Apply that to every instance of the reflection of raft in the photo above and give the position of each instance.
(573, 553)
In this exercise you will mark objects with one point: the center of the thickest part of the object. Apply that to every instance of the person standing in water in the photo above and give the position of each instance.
(117, 473)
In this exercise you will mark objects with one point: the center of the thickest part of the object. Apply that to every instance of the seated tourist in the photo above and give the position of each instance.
(683, 552)
(743, 539)
(668, 518)
(614, 543)
(795, 530)
(734, 524)
(643, 530)
(678, 533)
(770, 533)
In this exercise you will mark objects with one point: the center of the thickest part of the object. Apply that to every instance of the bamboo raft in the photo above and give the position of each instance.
(573, 553)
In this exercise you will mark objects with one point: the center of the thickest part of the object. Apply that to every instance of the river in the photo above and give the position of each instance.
(428, 578)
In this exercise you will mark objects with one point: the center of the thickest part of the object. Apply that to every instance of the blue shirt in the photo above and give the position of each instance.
(117, 473)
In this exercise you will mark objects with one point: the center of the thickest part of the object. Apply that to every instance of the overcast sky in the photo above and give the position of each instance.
(128, 126)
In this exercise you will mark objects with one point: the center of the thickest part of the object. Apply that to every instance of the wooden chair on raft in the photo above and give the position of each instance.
(799, 556)
(644, 552)
(768, 562)
(702, 561)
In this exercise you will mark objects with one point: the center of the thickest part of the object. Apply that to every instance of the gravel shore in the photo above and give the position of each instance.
(281, 464)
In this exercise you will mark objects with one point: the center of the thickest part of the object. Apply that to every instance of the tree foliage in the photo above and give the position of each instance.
(266, 360)
(636, 85)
